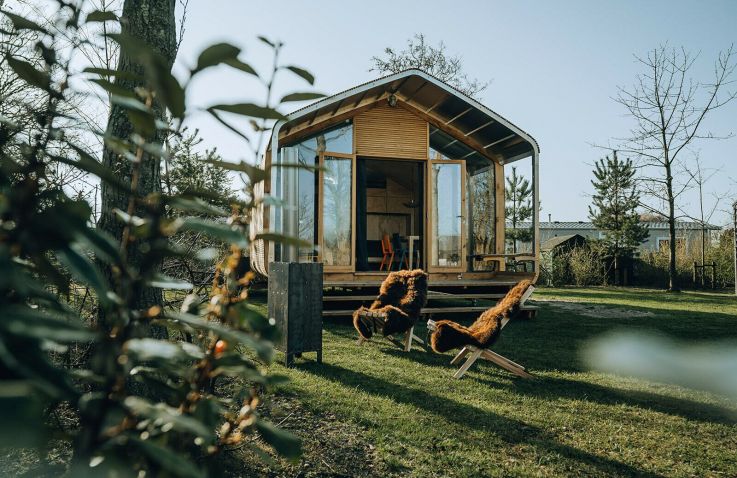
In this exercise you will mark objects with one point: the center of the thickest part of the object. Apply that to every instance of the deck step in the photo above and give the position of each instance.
(430, 296)
(432, 283)
(425, 310)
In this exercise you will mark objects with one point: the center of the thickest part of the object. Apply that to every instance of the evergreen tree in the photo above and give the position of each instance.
(614, 209)
(518, 209)
(189, 170)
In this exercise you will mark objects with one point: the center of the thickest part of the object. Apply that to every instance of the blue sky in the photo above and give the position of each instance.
(554, 68)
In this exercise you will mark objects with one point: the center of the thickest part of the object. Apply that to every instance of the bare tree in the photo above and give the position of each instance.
(668, 108)
(699, 177)
(433, 60)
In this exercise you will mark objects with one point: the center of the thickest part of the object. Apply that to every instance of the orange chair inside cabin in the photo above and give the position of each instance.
(388, 253)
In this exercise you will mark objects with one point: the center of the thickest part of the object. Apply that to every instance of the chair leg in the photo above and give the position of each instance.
(506, 364)
(408, 339)
(470, 361)
(457, 359)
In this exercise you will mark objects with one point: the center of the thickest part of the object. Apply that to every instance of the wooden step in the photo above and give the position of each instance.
(431, 296)
(425, 310)
(432, 283)
(433, 310)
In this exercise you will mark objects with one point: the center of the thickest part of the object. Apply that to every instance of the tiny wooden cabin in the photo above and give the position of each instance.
(405, 157)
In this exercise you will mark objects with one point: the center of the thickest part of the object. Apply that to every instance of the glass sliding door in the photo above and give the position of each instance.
(447, 194)
(338, 199)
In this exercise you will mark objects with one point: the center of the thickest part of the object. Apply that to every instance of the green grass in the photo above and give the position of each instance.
(566, 422)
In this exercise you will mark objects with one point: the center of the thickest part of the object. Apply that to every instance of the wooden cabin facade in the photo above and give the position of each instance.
(405, 157)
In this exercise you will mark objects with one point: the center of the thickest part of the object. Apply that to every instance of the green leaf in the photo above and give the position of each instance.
(164, 282)
(101, 16)
(22, 415)
(224, 232)
(195, 204)
(113, 88)
(101, 243)
(130, 103)
(249, 109)
(255, 174)
(302, 73)
(153, 349)
(215, 55)
(283, 239)
(85, 271)
(283, 442)
(158, 72)
(162, 414)
(177, 465)
(228, 125)
(239, 65)
(29, 73)
(301, 97)
(264, 349)
(27, 322)
(263, 39)
(22, 23)
(169, 91)
(119, 75)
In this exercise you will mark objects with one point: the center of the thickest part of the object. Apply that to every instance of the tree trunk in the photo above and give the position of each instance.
(153, 22)
(672, 273)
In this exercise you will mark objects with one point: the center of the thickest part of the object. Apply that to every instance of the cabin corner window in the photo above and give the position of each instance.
(337, 211)
(482, 211)
(447, 215)
(518, 207)
(337, 140)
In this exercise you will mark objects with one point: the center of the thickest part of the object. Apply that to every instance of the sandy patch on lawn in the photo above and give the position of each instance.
(596, 310)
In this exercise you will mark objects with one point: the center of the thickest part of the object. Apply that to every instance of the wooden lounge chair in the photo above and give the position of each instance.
(476, 339)
(396, 309)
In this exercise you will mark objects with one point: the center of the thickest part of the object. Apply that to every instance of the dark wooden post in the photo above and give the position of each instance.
(295, 302)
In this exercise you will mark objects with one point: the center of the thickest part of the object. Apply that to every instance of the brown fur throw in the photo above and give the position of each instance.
(401, 298)
(485, 330)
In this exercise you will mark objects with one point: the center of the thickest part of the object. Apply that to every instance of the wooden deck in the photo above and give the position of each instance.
(445, 296)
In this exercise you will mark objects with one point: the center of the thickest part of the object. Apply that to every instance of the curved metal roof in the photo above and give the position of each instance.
(474, 124)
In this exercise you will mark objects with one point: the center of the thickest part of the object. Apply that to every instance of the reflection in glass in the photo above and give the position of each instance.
(306, 208)
(338, 140)
(483, 216)
(447, 247)
(337, 190)
(518, 212)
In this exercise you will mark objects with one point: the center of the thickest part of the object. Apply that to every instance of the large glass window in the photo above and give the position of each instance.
(447, 218)
(482, 211)
(337, 140)
(337, 234)
(518, 207)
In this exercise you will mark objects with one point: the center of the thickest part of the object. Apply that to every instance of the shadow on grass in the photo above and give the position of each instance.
(552, 388)
(509, 430)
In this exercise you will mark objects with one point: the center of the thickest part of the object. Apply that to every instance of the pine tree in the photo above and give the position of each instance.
(518, 197)
(614, 209)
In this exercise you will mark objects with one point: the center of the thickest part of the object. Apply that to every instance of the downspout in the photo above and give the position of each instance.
(536, 214)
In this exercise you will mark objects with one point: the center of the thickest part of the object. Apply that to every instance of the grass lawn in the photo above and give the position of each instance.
(402, 414)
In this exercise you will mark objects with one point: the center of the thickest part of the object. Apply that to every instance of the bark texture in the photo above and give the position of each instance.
(151, 21)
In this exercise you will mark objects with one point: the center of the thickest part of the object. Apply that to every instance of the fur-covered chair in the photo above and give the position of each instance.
(479, 336)
(397, 308)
